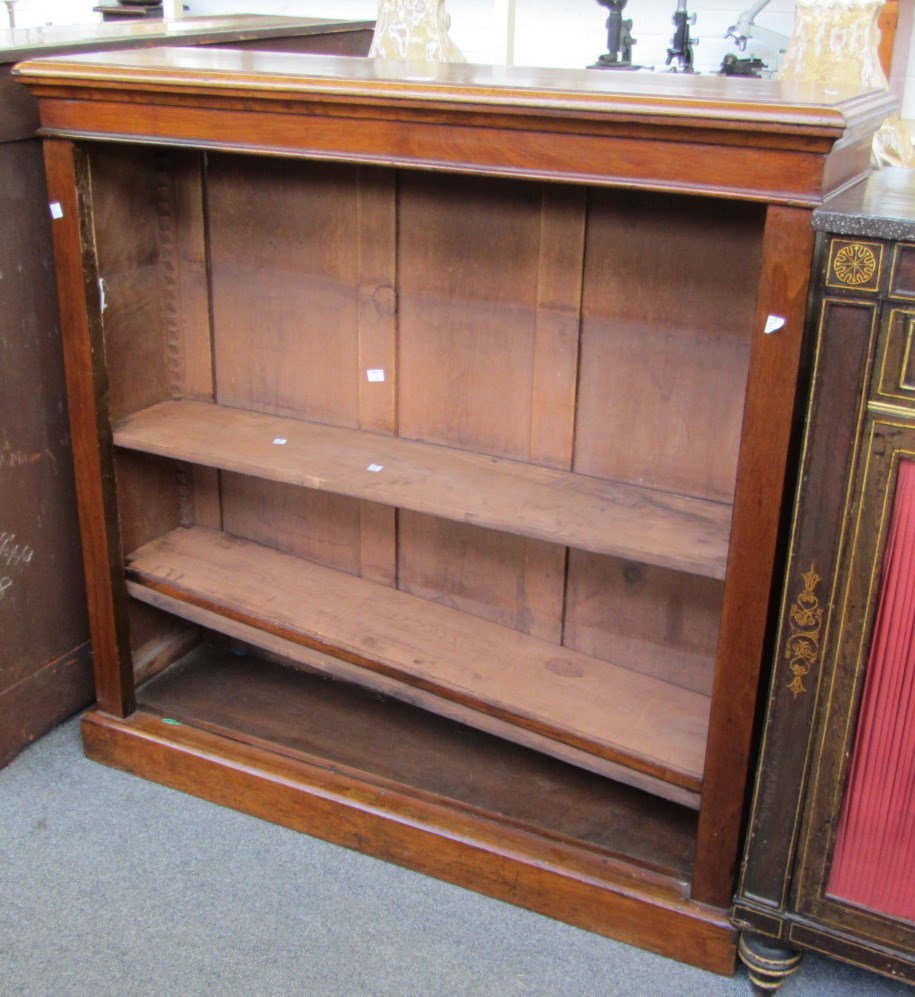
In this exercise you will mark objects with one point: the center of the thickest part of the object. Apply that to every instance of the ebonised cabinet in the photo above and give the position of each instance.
(830, 858)
(431, 428)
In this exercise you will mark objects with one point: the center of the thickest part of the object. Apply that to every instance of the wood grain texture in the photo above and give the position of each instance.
(703, 166)
(376, 265)
(558, 324)
(605, 517)
(467, 298)
(484, 376)
(700, 134)
(132, 293)
(557, 693)
(658, 622)
(497, 576)
(300, 713)
(769, 410)
(87, 398)
(794, 109)
(376, 203)
(43, 698)
(43, 604)
(361, 681)
(265, 702)
(488, 856)
(665, 341)
(317, 525)
(285, 307)
(183, 274)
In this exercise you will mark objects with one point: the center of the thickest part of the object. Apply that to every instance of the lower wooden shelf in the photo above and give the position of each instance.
(421, 791)
(618, 722)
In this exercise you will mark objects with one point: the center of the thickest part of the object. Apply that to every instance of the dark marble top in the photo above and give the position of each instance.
(880, 207)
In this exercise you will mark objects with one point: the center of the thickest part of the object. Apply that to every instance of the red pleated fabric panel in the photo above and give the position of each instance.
(874, 860)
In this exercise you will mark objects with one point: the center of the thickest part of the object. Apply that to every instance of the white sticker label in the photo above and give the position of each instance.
(375, 375)
(375, 468)
(279, 441)
(56, 210)
(774, 323)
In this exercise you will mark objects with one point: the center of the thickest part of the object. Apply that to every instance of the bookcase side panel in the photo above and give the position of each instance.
(69, 187)
(154, 311)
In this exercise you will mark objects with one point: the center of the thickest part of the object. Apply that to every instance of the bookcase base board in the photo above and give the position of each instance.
(558, 880)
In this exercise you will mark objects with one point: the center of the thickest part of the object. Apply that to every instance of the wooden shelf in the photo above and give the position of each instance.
(393, 745)
(428, 654)
(604, 517)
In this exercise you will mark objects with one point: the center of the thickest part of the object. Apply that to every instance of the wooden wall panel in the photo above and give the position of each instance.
(149, 505)
(497, 576)
(497, 374)
(183, 269)
(320, 526)
(155, 316)
(668, 304)
(468, 256)
(376, 206)
(284, 272)
(285, 269)
(558, 323)
(658, 622)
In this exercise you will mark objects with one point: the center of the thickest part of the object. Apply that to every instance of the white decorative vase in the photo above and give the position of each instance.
(413, 29)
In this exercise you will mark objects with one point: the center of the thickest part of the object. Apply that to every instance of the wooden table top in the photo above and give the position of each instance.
(28, 43)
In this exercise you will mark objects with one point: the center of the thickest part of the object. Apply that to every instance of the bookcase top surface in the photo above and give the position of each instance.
(717, 101)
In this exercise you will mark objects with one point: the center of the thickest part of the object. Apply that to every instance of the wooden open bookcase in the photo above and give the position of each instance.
(431, 427)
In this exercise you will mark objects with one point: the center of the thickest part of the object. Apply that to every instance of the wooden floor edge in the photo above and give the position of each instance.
(414, 834)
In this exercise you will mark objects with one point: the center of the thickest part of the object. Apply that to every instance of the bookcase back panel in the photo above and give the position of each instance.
(658, 622)
(283, 248)
(467, 285)
(668, 303)
(468, 297)
(317, 525)
(510, 580)
(458, 311)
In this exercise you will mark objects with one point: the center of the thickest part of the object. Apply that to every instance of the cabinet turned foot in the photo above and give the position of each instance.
(768, 963)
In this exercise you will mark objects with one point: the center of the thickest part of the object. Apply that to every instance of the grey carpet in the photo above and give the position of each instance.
(110, 885)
